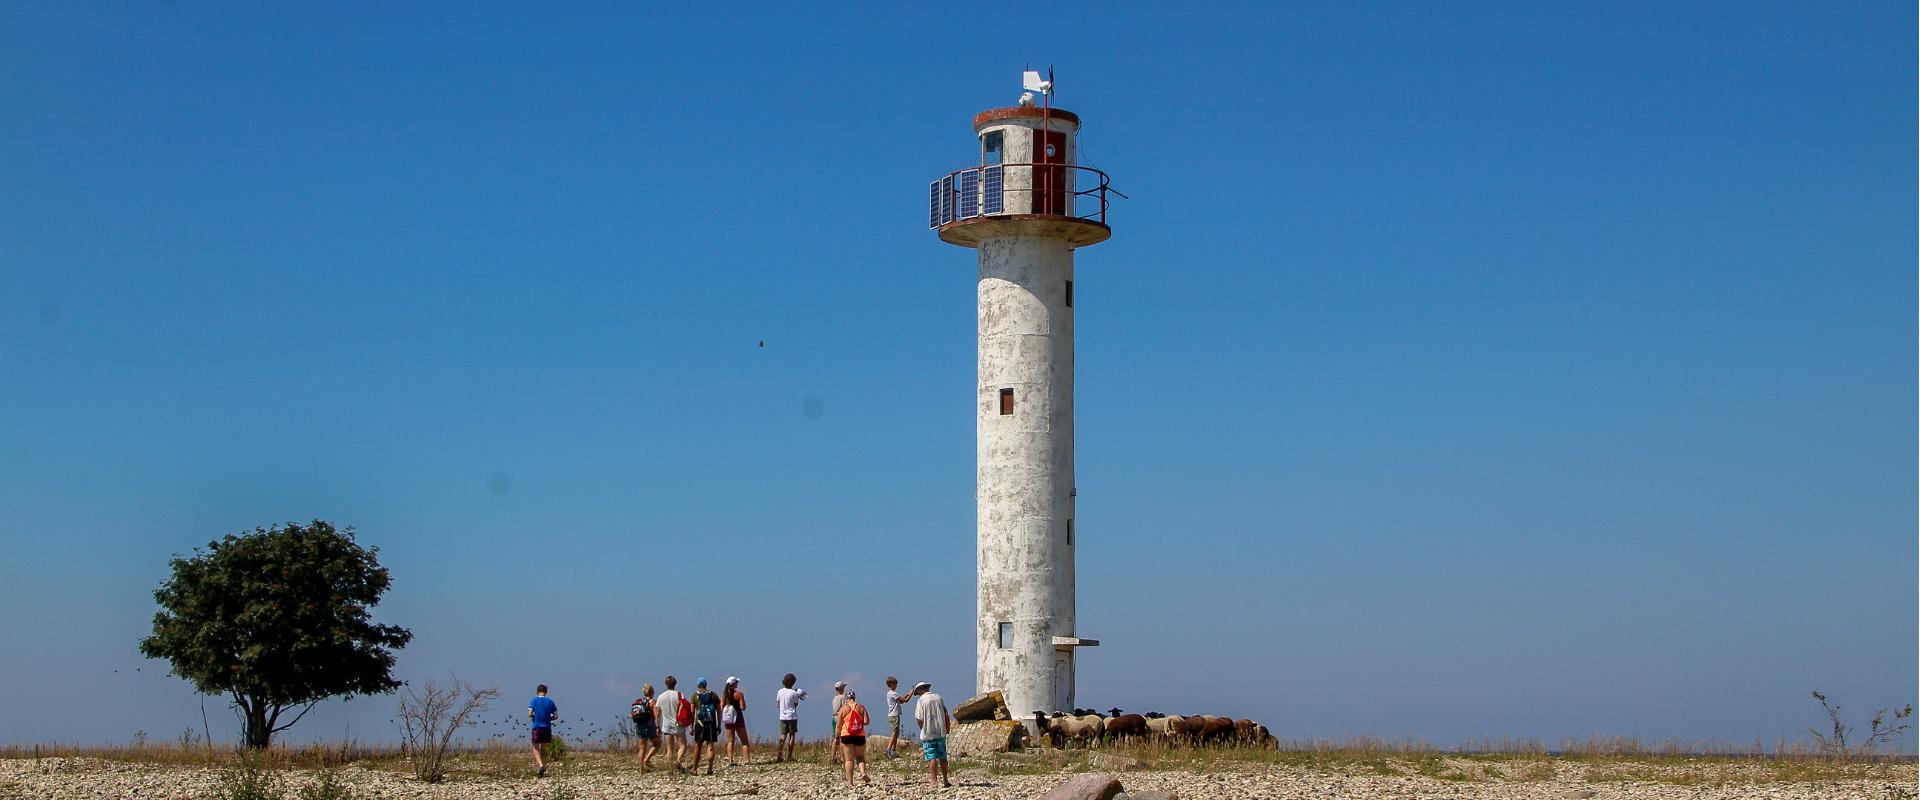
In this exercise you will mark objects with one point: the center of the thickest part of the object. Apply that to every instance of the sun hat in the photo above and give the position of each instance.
(922, 685)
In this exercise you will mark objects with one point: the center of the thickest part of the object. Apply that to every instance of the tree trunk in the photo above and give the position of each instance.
(259, 733)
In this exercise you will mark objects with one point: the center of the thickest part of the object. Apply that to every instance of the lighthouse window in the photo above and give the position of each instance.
(1069, 294)
(990, 147)
(1006, 636)
(1006, 402)
(1069, 531)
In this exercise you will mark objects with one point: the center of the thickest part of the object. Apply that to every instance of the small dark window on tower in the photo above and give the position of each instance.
(1006, 402)
(1069, 294)
(1006, 636)
(990, 147)
(1069, 531)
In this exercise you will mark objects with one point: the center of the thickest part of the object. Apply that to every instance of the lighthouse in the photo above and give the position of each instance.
(1026, 206)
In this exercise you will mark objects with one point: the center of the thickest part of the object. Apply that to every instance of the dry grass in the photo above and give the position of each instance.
(1599, 760)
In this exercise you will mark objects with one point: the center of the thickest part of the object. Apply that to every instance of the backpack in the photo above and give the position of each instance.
(707, 710)
(642, 710)
(856, 722)
(683, 716)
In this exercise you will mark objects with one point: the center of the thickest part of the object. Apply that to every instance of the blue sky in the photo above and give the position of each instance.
(1533, 369)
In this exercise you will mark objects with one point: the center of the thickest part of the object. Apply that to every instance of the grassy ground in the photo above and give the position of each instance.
(1523, 763)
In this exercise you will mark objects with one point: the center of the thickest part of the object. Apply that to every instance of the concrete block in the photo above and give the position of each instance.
(989, 706)
(990, 736)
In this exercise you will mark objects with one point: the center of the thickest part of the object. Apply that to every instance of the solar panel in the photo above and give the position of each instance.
(933, 205)
(970, 194)
(991, 196)
(946, 199)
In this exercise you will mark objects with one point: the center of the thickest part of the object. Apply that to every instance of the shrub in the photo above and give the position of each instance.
(250, 777)
(432, 715)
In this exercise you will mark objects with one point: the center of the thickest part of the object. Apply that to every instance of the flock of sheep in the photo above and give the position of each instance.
(1087, 727)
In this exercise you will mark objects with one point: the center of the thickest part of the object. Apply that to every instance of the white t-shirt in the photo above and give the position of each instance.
(838, 701)
(893, 704)
(789, 702)
(931, 713)
(669, 704)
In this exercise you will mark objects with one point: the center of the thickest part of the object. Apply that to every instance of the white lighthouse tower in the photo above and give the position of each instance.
(1026, 206)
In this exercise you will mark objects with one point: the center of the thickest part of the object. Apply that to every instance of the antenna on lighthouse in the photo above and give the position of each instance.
(1032, 82)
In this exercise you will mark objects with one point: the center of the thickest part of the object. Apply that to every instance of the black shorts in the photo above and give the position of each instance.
(789, 727)
(542, 735)
(856, 741)
(705, 732)
(647, 732)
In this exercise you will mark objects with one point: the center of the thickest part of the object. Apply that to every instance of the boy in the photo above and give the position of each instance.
(833, 732)
(542, 711)
(788, 699)
(934, 721)
(706, 724)
(667, 707)
(893, 715)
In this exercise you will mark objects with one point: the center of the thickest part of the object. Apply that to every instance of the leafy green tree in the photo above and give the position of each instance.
(277, 619)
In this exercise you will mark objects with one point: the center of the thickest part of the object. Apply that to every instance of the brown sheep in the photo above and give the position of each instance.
(1216, 730)
(1187, 728)
(1126, 726)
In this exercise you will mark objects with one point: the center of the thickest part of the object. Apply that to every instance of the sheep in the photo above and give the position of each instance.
(1164, 726)
(1216, 729)
(1125, 726)
(1062, 730)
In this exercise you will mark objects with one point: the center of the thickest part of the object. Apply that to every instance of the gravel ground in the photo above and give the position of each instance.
(94, 779)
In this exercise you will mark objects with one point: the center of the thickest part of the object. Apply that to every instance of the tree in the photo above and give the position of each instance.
(278, 620)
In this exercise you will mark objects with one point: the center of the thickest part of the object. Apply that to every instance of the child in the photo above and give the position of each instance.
(788, 699)
(646, 727)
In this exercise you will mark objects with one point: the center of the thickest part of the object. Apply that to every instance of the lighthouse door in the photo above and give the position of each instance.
(1049, 177)
(1063, 679)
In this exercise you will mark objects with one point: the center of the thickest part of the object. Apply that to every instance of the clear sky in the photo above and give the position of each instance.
(1531, 369)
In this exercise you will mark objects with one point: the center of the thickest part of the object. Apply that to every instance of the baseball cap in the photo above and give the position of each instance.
(731, 680)
(701, 682)
(839, 684)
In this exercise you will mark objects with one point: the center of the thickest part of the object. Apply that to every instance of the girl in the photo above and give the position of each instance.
(852, 727)
(644, 727)
(733, 719)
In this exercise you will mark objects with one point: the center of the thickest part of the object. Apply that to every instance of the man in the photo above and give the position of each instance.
(934, 721)
(893, 715)
(833, 734)
(788, 699)
(542, 712)
(667, 708)
(706, 724)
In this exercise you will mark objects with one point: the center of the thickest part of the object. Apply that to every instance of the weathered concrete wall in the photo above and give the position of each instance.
(1018, 136)
(1025, 491)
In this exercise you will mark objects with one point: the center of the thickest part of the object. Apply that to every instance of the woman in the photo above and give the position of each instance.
(851, 723)
(645, 727)
(733, 719)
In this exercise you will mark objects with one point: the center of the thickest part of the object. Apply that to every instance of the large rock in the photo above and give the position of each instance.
(991, 705)
(990, 736)
(1086, 787)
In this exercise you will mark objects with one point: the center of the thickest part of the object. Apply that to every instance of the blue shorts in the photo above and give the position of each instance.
(934, 749)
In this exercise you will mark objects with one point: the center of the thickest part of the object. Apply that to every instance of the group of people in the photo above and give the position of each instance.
(666, 720)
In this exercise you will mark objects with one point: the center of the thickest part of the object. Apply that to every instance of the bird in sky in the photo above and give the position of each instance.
(763, 344)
